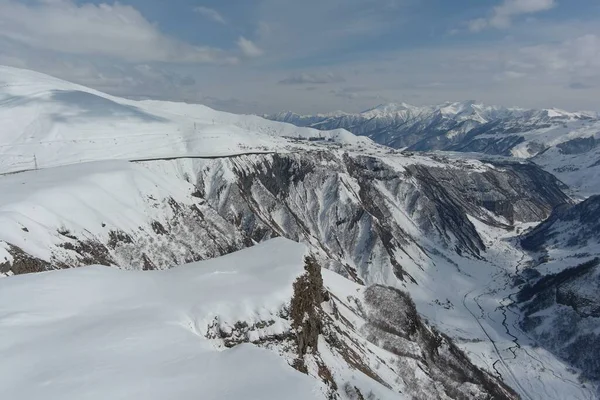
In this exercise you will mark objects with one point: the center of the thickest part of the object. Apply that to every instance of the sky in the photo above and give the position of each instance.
(309, 56)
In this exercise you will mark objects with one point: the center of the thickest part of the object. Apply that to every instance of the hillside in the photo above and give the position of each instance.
(561, 299)
(46, 122)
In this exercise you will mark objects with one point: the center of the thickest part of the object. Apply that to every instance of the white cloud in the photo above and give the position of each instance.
(263, 30)
(116, 30)
(362, 93)
(503, 14)
(509, 74)
(248, 48)
(577, 58)
(115, 49)
(293, 30)
(210, 13)
(478, 24)
(312, 78)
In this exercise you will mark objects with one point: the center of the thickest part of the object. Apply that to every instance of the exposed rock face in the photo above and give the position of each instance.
(562, 312)
(368, 212)
(154, 246)
(305, 307)
(23, 263)
(493, 190)
(367, 217)
(394, 324)
(579, 145)
(561, 302)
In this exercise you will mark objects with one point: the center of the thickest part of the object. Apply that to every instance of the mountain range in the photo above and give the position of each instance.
(566, 144)
(167, 250)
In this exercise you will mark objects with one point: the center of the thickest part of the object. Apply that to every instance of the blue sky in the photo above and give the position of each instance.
(315, 55)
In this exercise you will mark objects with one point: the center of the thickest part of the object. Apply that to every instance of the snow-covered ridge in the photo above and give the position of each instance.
(167, 211)
(47, 122)
(458, 110)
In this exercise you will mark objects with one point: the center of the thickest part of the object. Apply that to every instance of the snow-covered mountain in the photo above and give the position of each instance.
(564, 143)
(561, 299)
(47, 122)
(440, 127)
(173, 187)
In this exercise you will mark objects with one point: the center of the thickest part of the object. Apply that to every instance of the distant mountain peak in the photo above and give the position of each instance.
(473, 126)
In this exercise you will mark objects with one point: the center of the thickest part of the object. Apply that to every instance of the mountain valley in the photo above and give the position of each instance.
(370, 256)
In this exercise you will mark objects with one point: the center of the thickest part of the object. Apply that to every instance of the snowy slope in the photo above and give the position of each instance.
(578, 168)
(54, 214)
(382, 219)
(145, 216)
(99, 333)
(221, 329)
(47, 122)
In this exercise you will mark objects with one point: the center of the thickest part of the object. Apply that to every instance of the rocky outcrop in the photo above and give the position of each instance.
(579, 145)
(393, 323)
(22, 263)
(186, 234)
(337, 333)
(561, 311)
(305, 308)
